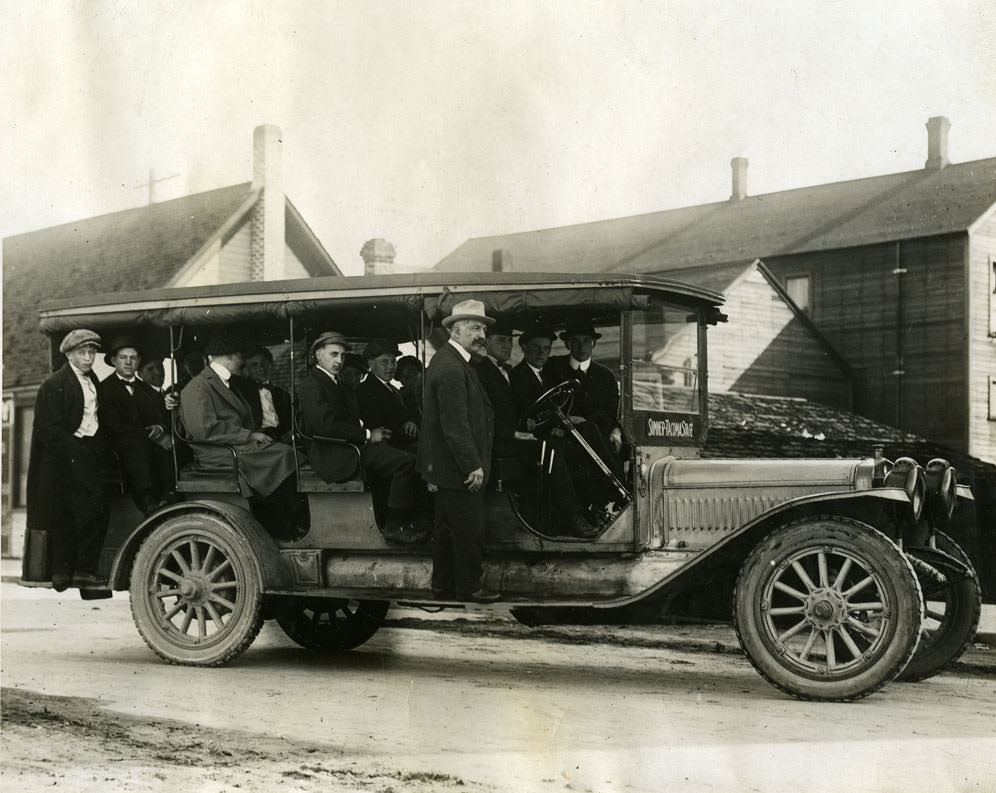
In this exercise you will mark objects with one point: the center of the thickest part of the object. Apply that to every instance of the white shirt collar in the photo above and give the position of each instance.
(463, 353)
(222, 371)
(582, 365)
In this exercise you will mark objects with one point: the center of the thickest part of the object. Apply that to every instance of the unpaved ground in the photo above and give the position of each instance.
(66, 743)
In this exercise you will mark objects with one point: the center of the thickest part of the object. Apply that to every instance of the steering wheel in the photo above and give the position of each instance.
(554, 399)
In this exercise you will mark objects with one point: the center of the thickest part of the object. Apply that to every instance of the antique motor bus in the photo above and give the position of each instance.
(842, 576)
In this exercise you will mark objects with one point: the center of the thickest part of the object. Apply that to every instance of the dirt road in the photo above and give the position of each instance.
(469, 706)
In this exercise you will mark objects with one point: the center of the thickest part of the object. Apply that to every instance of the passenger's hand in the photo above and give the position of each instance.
(172, 401)
(557, 432)
(155, 431)
(615, 438)
(475, 480)
(410, 429)
(261, 439)
(379, 434)
(575, 420)
(531, 424)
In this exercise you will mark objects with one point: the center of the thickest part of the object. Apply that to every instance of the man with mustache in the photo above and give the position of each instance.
(454, 454)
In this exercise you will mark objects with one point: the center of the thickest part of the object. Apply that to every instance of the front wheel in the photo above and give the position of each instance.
(197, 591)
(951, 619)
(827, 608)
(330, 625)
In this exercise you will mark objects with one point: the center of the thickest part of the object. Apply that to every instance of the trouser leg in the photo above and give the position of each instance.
(463, 524)
(380, 459)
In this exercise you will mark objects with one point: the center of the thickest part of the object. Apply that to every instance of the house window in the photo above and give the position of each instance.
(797, 287)
(992, 304)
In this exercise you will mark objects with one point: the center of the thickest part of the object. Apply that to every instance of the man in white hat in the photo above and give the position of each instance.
(65, 498)
(454, 454)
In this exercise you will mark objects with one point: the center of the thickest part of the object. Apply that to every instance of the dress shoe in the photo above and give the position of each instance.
(84, 580)
(61, 581)
(485, 595)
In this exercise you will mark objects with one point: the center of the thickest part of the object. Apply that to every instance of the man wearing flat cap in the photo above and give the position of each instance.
(454, 454)
(65, 496)
(136, 423)
(216, 417)
(329, 409)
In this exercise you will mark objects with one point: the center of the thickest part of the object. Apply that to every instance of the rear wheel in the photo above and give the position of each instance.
(827, 608)
(951, 617)
(197, 591)
(331, 625)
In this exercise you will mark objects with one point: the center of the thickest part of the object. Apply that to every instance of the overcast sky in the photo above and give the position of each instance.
(430, 122)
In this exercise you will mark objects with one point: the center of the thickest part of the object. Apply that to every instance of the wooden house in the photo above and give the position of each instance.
(248, 231)
(897, 272)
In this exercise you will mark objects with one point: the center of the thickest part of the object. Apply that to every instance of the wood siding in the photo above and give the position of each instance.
(880, 327)
(765, 348)
(981, 345)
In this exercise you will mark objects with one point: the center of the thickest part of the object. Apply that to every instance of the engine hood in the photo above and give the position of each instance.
(808, 475)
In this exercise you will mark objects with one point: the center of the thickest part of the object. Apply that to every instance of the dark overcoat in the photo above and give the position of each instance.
(526, 387)
(506, 418)
(58, 413)
(213, 412)
(597, 398)
(249, 390)
(457, 422)
(329, 409)
(382, 405)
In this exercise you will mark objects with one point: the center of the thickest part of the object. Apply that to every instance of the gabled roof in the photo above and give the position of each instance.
(129, 251)
(824, 217)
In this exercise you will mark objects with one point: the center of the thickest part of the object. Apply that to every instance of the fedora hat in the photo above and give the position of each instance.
(579, 327)
(77, 338)
(468, 309)
(502, 327)
(537, 331)
(329, 337)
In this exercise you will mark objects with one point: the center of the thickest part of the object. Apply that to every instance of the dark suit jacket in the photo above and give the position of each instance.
(58, 413)
(383, 406)
(457, 422)
(123, 416)
(214, 413)
(329, 409)
(526, 387)
(249, 390)
(506, 419)
(597, 399)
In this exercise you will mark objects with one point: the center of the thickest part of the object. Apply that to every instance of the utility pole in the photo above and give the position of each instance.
(151, 184)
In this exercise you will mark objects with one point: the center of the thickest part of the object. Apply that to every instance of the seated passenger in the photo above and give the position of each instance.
(270, 404)
(409, 373)
(381, 404)
(354, 368)
(330, 410)
(526, 378)
(136, 423)
(511, 440)
(152, 372)
(212, 411)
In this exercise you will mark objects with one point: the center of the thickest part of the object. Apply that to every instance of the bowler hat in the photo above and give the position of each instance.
(329, 337)
(579, 327)
(77, 338)
(502, 327)
(223, 344)
(353, 360)
(468, 309)
(537, 332)
(120, 343)
(378, 347)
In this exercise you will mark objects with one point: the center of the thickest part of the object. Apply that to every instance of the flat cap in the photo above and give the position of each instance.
(77, 338)
(329, 337)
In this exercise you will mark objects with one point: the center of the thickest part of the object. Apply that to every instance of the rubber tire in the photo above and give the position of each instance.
(331, 625)
(883, 657)
(237, 617)
(943, 641)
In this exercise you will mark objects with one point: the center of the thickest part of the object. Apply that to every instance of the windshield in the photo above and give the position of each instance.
(665, 359)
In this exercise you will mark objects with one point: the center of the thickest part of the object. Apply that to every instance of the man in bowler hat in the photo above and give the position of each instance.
(454, 454)
(65, 496)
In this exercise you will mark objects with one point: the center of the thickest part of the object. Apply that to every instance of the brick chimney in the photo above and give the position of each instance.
(378, 257)
(268, 233)
(739, 167)
(937, 143)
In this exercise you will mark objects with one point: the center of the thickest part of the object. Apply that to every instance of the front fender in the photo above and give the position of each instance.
(276, 574)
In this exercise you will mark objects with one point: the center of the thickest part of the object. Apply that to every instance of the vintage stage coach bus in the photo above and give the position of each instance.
(843, 578)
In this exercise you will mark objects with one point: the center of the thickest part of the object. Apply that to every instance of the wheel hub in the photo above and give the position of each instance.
(192, 589)
(825, 608)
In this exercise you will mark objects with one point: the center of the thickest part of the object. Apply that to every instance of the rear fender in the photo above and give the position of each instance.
(276, 574)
